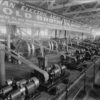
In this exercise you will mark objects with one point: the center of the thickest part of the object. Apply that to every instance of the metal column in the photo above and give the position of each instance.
(2, 65)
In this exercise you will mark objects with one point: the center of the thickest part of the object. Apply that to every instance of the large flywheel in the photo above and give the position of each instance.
(23, 48)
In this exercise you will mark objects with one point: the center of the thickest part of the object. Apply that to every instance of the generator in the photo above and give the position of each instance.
(20, 90)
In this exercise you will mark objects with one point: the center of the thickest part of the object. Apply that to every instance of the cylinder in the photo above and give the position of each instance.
(21, 82)
(6, 90)
(9, 82)
(63, 69)
(16, 94)
(32, 86)
(55, 72)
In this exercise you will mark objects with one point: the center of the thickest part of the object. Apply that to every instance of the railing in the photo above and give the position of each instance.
(81, 78)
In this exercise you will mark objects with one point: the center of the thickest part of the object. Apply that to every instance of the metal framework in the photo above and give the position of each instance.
(82, 17)
(84, 11)
(65, 8)
(73, 3)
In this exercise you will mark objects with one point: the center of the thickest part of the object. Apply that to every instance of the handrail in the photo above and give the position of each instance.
(76, 81)
(77, 93)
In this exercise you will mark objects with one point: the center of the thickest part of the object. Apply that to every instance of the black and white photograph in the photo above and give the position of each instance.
(49, 49)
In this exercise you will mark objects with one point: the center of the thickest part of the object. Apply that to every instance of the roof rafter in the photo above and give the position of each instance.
(85, 8)
(72, 3)
(82, 17)
(83, 11)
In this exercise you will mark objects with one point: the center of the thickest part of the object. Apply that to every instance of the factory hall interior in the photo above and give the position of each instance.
(49, 49)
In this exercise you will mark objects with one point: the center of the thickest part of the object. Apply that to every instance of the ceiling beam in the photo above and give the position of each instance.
(72, 3)
(94, 21)
(83, 11)
(91, 16)
(31, 1)
(77, 15)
